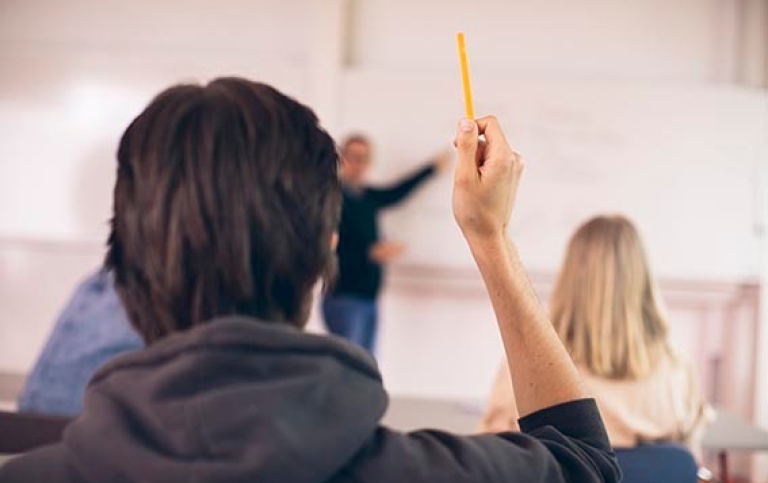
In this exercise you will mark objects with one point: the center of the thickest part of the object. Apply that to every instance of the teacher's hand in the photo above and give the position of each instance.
(385, 251)
(485, 184)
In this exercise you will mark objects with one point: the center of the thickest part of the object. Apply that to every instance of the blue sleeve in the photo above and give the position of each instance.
(92, 328)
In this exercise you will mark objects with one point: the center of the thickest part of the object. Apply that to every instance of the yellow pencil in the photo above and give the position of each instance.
(468, 106)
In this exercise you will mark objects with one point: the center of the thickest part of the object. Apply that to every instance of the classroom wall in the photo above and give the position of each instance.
(74, 74)
(80, 71)
(77, 74)
(638, 40)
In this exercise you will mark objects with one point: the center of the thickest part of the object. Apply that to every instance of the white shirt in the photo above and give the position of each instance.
(667, 405)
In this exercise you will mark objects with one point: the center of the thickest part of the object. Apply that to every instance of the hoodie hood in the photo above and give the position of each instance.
(235, 400)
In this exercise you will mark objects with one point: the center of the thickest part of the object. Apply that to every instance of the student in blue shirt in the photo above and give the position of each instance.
(91, 329)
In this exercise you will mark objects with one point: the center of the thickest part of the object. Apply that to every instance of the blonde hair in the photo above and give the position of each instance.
(604, 306)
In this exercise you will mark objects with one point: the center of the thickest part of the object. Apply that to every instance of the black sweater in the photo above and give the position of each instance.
(239, 400)
(359, 231)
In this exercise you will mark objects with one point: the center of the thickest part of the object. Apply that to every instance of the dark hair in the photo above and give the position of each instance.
(226, 200)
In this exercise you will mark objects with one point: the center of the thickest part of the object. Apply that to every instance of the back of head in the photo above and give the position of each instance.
(604, 305)
(226, 200)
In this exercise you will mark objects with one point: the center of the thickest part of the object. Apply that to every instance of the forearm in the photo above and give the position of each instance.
(542, 372)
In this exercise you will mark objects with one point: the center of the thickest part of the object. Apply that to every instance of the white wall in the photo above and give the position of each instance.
(628, 139)
(761, 401)
(655, 39)
(77, 73)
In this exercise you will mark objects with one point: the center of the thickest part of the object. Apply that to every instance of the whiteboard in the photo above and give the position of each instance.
(681, 160)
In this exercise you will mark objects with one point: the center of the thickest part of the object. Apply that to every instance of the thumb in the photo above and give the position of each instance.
(466, 146)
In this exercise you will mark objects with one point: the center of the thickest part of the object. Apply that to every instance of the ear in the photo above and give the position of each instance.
(334, 240)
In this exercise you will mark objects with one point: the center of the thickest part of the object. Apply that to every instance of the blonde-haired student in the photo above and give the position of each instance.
(606, 310)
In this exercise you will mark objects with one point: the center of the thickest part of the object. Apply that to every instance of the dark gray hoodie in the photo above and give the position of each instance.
(241, 400)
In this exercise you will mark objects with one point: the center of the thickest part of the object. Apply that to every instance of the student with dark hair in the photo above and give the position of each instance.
(225, 209)
(350, 309)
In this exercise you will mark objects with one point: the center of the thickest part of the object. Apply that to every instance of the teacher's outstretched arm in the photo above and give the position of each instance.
(487, 176)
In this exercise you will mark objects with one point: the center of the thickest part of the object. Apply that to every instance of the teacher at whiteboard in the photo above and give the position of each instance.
(350, 308)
